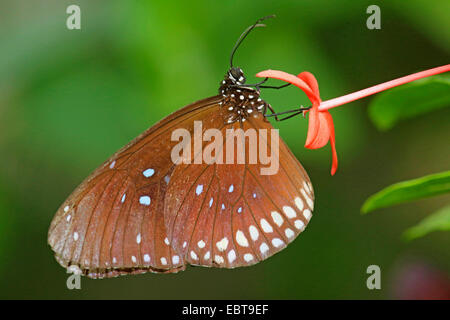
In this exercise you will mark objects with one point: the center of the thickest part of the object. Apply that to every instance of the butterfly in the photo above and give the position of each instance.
(140, 211)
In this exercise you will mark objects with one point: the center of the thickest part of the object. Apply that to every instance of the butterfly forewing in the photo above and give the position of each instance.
(113, 223)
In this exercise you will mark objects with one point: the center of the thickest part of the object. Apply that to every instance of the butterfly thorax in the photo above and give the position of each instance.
(239, 100)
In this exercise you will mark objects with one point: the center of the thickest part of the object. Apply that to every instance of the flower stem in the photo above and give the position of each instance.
(332, 103)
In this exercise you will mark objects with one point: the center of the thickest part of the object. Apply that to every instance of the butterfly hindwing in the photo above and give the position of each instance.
(231, 215)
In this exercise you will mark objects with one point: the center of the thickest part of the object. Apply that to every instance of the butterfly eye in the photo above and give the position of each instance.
(238, 75)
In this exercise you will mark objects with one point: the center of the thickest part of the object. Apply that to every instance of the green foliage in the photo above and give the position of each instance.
(438, 221)
(69, 99)
(410, 190)
(410, 100)
(391, 107)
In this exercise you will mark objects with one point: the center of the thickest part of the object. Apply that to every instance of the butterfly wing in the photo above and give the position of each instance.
(232, 215)
(113, 223)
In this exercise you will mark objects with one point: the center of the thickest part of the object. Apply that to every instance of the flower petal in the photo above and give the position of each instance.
(313, 127)
(323, 133)
(330, 124)
(281, 75)
(311, 81)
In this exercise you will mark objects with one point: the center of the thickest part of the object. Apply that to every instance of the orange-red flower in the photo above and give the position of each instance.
(320, 126)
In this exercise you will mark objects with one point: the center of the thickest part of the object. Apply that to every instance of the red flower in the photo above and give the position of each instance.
(320, 126)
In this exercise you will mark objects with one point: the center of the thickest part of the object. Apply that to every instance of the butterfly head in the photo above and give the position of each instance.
(236, 75)
(234, 78)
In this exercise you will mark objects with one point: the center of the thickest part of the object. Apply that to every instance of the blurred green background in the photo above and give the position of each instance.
(70, 98)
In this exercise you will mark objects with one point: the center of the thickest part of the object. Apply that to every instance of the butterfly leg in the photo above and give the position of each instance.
(290, 116)
(247, 86)
(274, 114)
(259, 85)
(291, 113)
(275, 87)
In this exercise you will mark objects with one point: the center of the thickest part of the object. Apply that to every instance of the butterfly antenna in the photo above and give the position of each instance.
(245, 34)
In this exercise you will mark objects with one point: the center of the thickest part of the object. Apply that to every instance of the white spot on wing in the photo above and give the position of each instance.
(254, 234)
(211, 202)
(201, 244)
(241, 239)
(218, 259)
(263, 248)
(175, 259)
(307, 187)
(146, 257)
(199, 189)
(66, 208)
(289, 212)
(222, 244)
(277, 242)
(248, 257)
(207, 256)
(133, 258)
(138, 238)
(299, 224)
(163, 261)
(277, 218)
(308, 199)
(289, 233)
(148, 173)
(299, 203)
(231, 188)
(112, 164)
(145, 200)
(307, 214)
(267, 228)
(75, 236)
(123, 198)
(231, 256)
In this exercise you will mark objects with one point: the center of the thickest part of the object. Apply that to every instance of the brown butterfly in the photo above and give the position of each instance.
(140, 211)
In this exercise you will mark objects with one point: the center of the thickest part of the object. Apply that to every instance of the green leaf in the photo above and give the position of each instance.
(410, 100)
(438, 221)
(410, 190)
